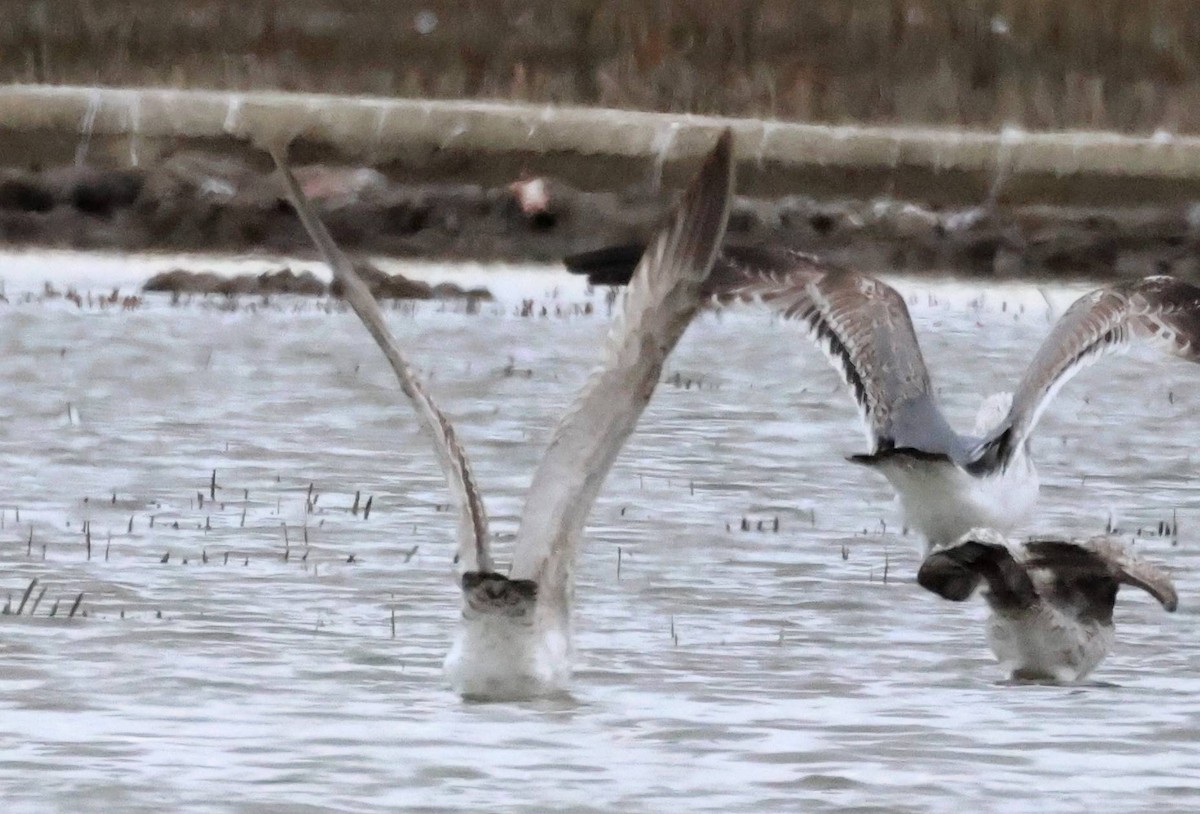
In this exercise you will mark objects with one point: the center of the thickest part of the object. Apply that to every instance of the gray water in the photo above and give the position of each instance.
(718, 669)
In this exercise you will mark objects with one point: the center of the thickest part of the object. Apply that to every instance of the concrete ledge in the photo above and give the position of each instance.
(592, 148)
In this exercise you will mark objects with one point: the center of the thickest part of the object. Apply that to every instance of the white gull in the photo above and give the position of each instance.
(947, 483)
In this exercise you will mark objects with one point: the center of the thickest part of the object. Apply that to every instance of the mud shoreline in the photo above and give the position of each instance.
(383, 286)
(198, 202)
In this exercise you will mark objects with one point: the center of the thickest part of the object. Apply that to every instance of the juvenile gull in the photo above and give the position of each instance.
(1052, 600)
(514, 638)
(946, 483)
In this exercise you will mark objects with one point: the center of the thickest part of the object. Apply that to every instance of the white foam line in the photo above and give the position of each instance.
(27, 270)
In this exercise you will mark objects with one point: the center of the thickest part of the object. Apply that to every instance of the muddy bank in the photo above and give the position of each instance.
(198, 202)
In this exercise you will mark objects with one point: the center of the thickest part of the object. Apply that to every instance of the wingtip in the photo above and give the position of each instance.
(722, 154)
(701, 216)
(1158, 585)
(723, 149)
(718, 164)
(1161, 589)
(614, 265)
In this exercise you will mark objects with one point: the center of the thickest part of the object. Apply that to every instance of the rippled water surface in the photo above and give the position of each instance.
(282, 660)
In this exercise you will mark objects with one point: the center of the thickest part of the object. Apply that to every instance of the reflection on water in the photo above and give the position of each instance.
(296, 663)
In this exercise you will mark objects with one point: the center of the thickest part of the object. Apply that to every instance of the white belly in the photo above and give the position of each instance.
(1046, 644)
(497, 658)
(942, 502)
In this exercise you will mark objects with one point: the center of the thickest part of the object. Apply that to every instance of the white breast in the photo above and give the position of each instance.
(1044, 643)
(942, 502)
(497, 658)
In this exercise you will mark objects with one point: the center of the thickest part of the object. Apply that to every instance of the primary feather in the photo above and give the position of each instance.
(663, 296)
(474, 552)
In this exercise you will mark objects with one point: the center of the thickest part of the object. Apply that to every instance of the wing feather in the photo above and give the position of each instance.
(860, 323)
(472, 529)
(863, 327)
(1105, 558)
(1161, 311)
(663, 296)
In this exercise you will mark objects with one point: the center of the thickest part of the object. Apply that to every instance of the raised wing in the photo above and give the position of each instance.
(1161, 310)
(860, 323)
(663, 296)
(1102, 558)
(472, 532)
(863, 327)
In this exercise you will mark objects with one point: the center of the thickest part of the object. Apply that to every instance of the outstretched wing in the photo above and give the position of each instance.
(663, 296)
(473, 550)
(1102, 558)
(863, 327)
(860, 323)
(1161, 310)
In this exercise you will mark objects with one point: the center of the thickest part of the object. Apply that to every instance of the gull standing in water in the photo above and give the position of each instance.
(1052, 600)
(514, 639)
(946, 483)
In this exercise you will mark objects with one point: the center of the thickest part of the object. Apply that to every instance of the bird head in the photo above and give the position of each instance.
(492, 594)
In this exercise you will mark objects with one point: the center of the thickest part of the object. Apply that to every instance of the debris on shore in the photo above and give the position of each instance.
(201, 202)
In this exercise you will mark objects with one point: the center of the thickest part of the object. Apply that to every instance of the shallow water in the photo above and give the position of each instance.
(718, 669)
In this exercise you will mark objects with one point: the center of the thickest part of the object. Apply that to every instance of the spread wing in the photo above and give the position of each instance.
(663, 296)
(473, 550)
(860, 323)
(863, 327)
(1102, 559)
(1161, 310)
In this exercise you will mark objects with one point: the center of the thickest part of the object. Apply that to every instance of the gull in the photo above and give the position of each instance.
(514, 637)
(1052, 600)
(947, 483)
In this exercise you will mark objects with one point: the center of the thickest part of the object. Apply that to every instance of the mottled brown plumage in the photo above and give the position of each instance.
(1052, 600)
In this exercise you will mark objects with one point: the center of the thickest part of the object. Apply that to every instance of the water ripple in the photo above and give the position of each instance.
(720, 668)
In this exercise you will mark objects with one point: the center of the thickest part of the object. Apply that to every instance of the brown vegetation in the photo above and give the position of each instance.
(1096, 64)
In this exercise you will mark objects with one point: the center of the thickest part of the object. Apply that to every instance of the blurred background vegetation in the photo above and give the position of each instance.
(1037, 64)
